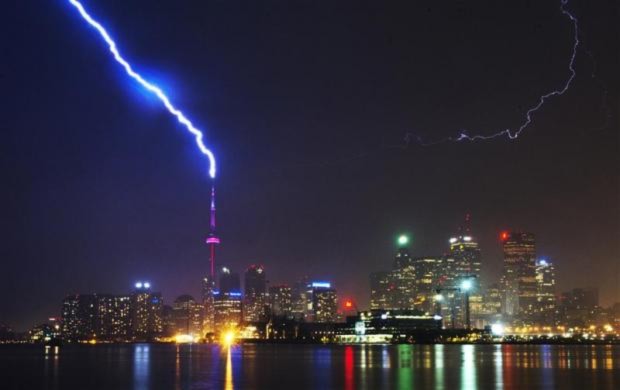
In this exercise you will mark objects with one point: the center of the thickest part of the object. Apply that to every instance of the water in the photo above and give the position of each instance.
(159, 366)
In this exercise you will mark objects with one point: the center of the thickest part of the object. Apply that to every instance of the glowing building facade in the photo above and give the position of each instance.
(187, 316)
(280, 301)
(519, 278)
(114, 317)
(324, 302)
(255, 294)
(146, 308)
(381, 291)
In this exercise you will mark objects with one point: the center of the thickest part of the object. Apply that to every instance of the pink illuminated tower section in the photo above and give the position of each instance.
(212, 239)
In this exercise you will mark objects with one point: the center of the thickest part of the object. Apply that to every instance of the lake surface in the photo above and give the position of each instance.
(159, 366)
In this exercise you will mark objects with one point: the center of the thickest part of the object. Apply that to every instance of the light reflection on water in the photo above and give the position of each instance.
(144, 366)
(141, 358)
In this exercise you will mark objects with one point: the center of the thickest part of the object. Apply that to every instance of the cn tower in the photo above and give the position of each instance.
(212, 239)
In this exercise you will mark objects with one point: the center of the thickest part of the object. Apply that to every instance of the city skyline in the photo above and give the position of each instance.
(313, 141)
(256, 280)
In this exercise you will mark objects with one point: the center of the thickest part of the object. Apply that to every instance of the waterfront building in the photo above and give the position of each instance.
(146, 308)
(226, 310)
(187, 316)
(79, 317)
(386, 326)
(113, 321)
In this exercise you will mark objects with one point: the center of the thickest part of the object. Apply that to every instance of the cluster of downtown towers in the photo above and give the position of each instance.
(525, 294)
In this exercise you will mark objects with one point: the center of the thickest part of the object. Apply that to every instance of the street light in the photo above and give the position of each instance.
(466, 285)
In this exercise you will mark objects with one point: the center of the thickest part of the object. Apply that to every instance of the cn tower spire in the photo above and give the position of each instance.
(212, 239)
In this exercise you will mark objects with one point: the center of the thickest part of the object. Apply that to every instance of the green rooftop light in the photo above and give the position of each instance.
(403, 240)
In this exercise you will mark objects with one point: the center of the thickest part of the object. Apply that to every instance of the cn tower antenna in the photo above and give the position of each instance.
(212, 239)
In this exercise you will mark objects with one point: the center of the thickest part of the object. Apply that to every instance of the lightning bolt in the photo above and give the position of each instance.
(514, 134)
(152, 88)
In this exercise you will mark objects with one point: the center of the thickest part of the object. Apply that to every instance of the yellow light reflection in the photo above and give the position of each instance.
(228, 383)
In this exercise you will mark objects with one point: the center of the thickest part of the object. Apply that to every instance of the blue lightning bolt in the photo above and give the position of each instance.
(463, 136)
(155, 90)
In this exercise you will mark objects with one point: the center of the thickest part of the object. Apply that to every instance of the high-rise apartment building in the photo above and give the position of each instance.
(146, 308)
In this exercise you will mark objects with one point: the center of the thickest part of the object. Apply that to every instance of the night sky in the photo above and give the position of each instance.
(306, 105)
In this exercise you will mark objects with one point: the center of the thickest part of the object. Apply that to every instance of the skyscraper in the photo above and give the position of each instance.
(280, 301)
(519, 279)
(466, 253)
(187, 316)
(227, 301)
(381, 291)
(324, 302)
(427, 276)
(114, 317)
(545, 294)
(146, 308)
(301, 299)
(255, 297)
(79, 317)
(229, 281)
(403, 278)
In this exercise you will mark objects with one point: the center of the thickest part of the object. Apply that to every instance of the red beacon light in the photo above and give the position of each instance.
(504, 236)
(348, 304)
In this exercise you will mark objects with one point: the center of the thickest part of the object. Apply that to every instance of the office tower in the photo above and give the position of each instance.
(255, 294)
(79, 317)
(227, 301)
(545, 295)
(519, 279)
(208, 288)
(578, 306)
(146, 307)
(113, 317)
(301, 299)
(492, 304)
(187, 316)
(227, 310)
(280, 301)
(381, 291)
(229, 281)
(466, 253)
(428, 272)
(324, 302)
(403, 278)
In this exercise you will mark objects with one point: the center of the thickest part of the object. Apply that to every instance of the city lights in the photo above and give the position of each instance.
(497, 329)
(228, 338)
(183, 338)
(466, 285)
